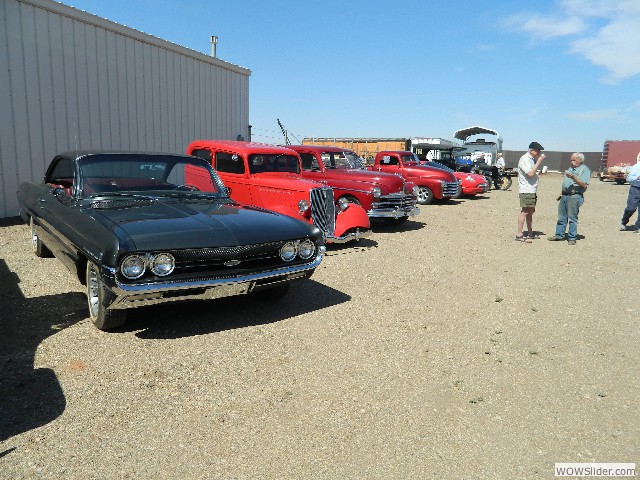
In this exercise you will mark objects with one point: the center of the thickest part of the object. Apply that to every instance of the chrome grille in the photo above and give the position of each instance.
(450, 189)
(323, 210)
(227, 253)
(395, 200)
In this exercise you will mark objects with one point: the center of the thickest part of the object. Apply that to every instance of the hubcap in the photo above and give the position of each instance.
(34, 236)
(92, 291)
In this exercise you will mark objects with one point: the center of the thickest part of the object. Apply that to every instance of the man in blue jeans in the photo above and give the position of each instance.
(633, 200)
(574, 184)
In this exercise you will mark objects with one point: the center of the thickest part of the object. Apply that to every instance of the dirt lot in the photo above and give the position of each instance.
(443, 349)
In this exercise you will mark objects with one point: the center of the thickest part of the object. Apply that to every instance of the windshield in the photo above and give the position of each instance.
(149, 174)
(340, 160)
(410, 159)
(273, 162)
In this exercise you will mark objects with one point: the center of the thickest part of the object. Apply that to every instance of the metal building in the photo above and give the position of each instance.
(69, 79)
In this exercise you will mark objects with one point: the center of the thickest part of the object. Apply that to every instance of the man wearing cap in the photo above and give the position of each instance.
(528, 188)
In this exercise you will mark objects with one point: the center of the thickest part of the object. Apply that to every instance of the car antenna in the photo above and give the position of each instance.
(284, 132)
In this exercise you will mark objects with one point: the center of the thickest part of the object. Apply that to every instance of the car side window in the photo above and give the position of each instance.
(62, 174)
(229, 163)
(203, 154)
(309, 161)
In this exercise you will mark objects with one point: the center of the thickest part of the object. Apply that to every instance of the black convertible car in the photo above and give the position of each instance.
(146, 228)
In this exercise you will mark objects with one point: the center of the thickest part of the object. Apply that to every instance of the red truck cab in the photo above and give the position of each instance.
(432, 183)
(382, 195)
(268, 176)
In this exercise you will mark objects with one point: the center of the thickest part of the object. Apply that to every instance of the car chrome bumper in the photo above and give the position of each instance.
(138, 295)
(393, 212)
(350, 237)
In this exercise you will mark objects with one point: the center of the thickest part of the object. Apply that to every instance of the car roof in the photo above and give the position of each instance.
(319, 148)
(245, 148)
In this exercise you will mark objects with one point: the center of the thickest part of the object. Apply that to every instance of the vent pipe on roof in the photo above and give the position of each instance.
(214, 41)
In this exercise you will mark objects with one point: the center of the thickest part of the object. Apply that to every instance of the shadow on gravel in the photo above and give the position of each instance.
(380, 226)
(11, 221)
(178, 320)
(30, 397)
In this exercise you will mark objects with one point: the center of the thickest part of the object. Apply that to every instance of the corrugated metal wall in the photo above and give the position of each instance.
(69, 79)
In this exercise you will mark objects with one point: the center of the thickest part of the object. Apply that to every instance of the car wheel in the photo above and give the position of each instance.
(396, 221)
(504, 183)
(619, 181)
(425, 195)
(102, 317)
(275, 293)
(37, 246)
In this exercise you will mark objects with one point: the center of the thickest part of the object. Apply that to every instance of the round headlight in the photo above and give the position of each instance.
(303, 206)
(288, 251)
(343, 203)
(306, 249)
(133, 267)
(415, 191)
(377, 192)
(163, 264)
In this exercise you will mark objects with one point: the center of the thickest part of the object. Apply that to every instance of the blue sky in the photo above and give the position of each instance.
(565, 73)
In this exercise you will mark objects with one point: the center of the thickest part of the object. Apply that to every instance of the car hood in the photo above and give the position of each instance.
(199, 224)
(392, 181)
(424, 171)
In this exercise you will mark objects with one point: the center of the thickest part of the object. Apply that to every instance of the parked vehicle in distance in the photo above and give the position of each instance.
(432, 183)
(617, 173)
(470, 183)
(382, 195)
(137, 232)
(268, 176)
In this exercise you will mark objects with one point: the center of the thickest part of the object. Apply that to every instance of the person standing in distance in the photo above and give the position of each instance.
(574, 184)
(500, 162)
(528, 188)
(633, 199)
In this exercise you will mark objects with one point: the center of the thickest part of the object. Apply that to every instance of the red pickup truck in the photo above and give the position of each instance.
(431, 182)
(269, 177)
(382, 195)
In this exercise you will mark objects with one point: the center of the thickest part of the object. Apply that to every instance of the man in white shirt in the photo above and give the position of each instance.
(633, 199)
(527, 188)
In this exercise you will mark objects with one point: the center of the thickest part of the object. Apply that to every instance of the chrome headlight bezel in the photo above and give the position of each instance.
(343, 204)
(306, 249)
(289, 251)
(162, 264)
(303, 206)
(133, 266)
(376, 191)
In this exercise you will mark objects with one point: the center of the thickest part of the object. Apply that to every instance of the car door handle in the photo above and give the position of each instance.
(42, 200)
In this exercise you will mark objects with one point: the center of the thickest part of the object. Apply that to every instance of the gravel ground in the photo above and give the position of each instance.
(442, 349)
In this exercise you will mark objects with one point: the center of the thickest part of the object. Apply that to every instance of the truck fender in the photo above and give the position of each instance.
(353, 217)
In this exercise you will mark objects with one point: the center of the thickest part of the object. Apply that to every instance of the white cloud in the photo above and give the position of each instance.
(595, 115)
(607, 31)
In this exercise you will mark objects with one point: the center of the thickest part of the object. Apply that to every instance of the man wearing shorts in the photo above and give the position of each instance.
(527, 188)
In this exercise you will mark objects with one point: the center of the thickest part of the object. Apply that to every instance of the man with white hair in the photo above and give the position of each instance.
(574, 184)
